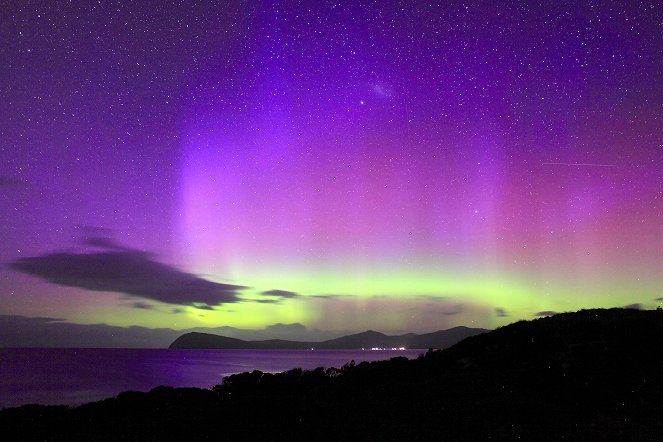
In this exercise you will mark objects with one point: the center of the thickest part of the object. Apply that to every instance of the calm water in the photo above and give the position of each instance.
(76, 376)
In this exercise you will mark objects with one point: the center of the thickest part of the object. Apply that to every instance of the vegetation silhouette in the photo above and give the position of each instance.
(589, 375)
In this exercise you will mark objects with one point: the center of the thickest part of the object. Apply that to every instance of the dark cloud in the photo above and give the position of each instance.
(142, 306)
(272, 297)
(633, 307)
(500, 312)
(546, 313)
(127, 271)
(177, 310)
(284, 294)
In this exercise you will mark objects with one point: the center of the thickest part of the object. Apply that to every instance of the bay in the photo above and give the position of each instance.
(71, 376)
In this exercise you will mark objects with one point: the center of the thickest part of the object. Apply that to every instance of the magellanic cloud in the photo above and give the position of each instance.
(128, 271)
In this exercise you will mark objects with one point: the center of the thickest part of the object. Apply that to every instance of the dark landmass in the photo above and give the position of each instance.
(585, 376)
(368, 339)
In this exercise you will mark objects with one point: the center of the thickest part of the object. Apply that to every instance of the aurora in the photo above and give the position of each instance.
(341, 167)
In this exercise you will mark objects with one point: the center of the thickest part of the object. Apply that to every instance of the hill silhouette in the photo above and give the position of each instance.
(590, 375)
(367, 339)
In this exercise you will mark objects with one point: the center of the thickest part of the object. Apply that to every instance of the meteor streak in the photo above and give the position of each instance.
(579, 164)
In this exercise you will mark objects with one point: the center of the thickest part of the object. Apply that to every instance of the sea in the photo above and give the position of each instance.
(69, 376)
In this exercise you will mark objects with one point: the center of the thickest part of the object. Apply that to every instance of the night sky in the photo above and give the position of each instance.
(328, 166)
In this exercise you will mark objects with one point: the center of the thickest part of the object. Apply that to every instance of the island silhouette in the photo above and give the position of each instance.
(588, 375)
(367, 340)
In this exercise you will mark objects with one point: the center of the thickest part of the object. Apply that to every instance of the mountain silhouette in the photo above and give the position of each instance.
(368, 339)
(589, 375)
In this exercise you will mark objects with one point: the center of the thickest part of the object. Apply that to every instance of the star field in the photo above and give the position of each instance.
(400, 166)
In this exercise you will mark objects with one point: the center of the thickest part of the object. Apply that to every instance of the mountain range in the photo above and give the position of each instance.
(368, 339)
(584, 376)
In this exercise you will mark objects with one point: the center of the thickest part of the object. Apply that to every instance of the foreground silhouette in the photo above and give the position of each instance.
(590, 375)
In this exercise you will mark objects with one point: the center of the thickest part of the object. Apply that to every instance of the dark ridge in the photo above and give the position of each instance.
(206, 340)
(585, 376)
(367, 339)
